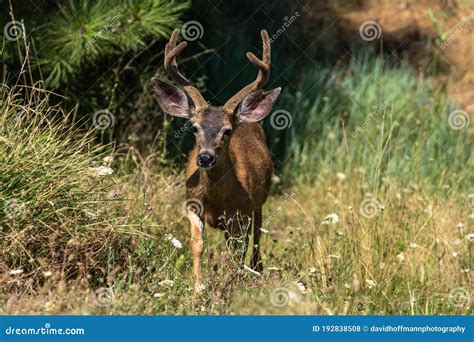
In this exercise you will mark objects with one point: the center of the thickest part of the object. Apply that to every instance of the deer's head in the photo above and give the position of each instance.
(212, 125)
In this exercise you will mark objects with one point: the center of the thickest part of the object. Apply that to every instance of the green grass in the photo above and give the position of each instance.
(402, 191)
(382, 119)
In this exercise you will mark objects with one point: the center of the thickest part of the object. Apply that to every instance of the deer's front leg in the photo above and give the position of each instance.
(197, 246)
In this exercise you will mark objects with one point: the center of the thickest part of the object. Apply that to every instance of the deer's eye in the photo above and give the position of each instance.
(195, 129)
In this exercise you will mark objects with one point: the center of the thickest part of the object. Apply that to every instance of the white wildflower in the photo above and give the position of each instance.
(465, 270)
(331, 219)
(371, 283)
(460, 225)
(176, 243)
(276, 179)
(470, 237)
(103, 170)
(455, 254)
(471, 216)
(300, 286)
(413, 245)
(166, 283)
(264, 231)
(16, 272)
(47, 274)
(341, 176)
(400, 257)
(158, 295)
(347, 286)
(199, 288)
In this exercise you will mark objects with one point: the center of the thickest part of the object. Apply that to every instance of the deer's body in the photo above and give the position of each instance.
(229, 172)
(238, 183)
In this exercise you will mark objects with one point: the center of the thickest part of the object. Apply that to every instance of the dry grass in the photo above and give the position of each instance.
(57, 221)
(406, 259)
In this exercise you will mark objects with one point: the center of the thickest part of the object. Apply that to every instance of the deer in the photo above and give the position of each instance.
(230, 169)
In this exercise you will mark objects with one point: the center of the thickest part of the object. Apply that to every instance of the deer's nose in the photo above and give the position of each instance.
(206, 159)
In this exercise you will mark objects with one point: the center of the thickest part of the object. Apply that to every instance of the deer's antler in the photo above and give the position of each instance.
(262, 77)
(171, 67)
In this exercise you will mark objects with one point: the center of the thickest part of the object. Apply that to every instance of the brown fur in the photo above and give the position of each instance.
(240, 182)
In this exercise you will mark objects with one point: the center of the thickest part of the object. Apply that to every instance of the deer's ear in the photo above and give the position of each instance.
(172, 100)
(256, 106)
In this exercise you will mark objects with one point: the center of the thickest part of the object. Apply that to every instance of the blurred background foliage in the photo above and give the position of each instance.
(101, 55)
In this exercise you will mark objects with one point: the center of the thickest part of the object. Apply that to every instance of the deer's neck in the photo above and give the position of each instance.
(214, 185)
(219, 175)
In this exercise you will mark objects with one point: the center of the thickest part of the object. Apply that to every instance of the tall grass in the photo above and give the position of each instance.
(58, 217)
(384, 120)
